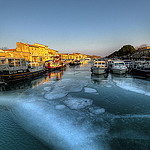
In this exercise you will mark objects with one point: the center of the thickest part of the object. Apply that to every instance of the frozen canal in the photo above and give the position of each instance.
(74, 110)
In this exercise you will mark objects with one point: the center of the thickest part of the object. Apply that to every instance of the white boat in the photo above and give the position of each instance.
(119, 67)
(129, 64)
(99, 67)
(12, 65)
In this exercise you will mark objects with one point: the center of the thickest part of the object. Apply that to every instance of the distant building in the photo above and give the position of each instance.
(144, 48)
(142, 53)
(1, 51)
(74, 56)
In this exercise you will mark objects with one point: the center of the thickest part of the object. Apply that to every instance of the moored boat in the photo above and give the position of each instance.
(99, 67)
(54, 65)
(129, 64)
(141, 68)
(74, 63)
(118, 67)
(16, 69)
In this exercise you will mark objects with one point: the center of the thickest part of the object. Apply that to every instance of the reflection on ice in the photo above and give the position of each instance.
(77, 103)
(49, 82)
(59, 128)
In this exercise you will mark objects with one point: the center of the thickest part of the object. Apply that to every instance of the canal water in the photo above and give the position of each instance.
(74, 110)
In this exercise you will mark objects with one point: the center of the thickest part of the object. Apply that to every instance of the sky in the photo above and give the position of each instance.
(94, 27)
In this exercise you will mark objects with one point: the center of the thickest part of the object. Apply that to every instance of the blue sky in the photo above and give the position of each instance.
(87, 26)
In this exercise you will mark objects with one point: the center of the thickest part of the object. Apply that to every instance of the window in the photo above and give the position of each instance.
(17, 62)
(23, 62)
(2, 61)
(11, 62)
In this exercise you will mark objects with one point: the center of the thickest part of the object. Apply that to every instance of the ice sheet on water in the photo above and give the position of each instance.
(60, 107)
(63, 87)
(130, 134)
(108, 85)
(47, 88)
(77, 103)
(134, 85)
(88, 77)
(90, 90)
(55, 94)
(72, 85)
(131, 116)
(96, 110)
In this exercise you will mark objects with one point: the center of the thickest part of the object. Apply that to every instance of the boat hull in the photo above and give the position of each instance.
(141, 72)
(56, 68)
(119, 71)
(16, 77)
(98, 70)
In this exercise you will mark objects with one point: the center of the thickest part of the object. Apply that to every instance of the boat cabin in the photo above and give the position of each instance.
(100, 64)
(12, 65)
(35, 66)
(118, 63)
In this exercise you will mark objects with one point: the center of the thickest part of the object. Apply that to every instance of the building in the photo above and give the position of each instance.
(142, 53)
(38, 53)
(74, 56)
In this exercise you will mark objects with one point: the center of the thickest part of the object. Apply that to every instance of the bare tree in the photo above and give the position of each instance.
(4, 48)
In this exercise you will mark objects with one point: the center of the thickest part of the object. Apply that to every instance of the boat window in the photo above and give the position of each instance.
(119, 64)
(2, 61)
(122, 64)
(17, 62)
(23, 62)
(11, 62)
